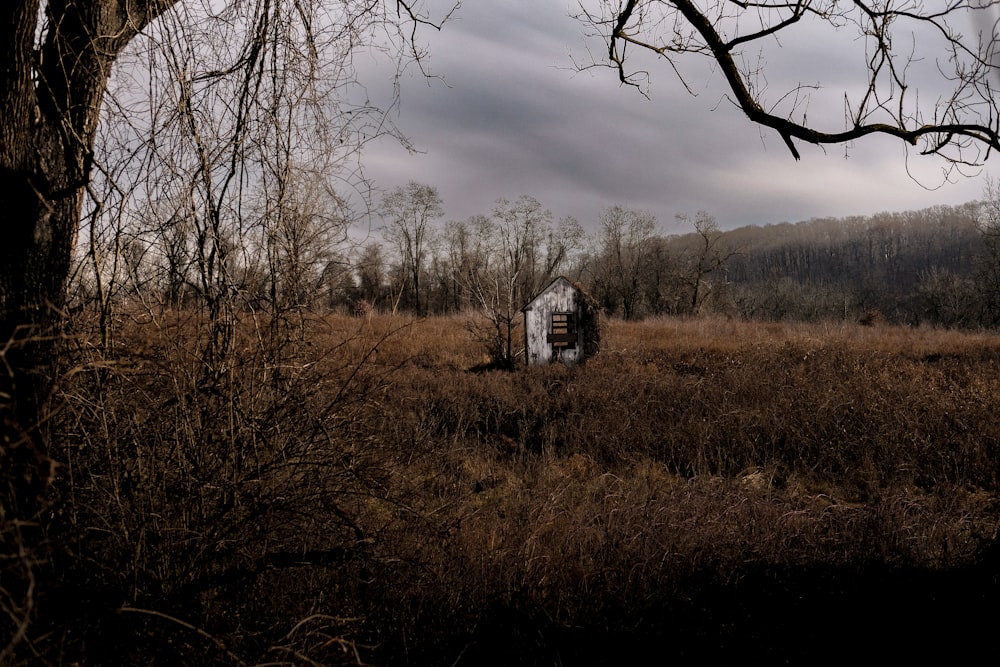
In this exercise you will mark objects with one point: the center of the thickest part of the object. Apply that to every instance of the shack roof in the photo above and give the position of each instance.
(548, 287)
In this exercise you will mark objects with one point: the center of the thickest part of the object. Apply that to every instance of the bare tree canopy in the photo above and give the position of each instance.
(235, 88)
(926, 71)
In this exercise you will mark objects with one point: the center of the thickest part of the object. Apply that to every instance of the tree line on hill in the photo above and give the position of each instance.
(939, 265)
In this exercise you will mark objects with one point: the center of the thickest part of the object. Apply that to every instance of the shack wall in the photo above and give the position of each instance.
(561, 296)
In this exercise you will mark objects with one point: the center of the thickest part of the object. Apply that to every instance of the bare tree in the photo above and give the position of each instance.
(623, 255)
(370, 270)
(462, 247)
(59, 59)
(947, 299)
(926, 72)
(54, 75)
(708, 254)
(516, 253)
(988, 271)
(301, 228)
(532, 251)
(410, 213)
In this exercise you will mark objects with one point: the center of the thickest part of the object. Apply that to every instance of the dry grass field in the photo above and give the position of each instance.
(361, 491)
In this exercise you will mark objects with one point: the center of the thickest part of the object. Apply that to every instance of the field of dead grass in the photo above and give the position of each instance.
(362, 490)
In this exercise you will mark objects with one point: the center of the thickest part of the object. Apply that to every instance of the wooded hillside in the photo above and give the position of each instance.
(917, 266)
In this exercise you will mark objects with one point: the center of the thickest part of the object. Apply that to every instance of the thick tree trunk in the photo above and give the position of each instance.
(50, 100)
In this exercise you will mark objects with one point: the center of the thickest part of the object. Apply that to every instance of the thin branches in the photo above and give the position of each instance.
(956, 118)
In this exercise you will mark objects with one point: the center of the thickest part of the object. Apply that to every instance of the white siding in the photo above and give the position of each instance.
(559, 297)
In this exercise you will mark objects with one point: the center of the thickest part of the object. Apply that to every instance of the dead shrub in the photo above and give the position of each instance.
(355, 494)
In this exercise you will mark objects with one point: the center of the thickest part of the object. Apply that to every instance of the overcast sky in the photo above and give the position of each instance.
(512, 116)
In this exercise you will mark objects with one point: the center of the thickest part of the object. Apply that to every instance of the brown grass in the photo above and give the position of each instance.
(357, 486)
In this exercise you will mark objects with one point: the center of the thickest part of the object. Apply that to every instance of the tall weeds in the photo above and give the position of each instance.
(353, 492)
(227, 501)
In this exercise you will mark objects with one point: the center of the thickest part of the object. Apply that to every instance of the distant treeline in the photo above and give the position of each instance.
(936, 265)
(939, 265)
(932, 265)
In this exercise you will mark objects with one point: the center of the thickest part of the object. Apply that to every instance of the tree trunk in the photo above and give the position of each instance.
(50, 100)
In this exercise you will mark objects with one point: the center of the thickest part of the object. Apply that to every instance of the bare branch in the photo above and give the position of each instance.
(897, 37)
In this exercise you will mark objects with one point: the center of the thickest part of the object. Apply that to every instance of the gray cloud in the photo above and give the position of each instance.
(511, 117)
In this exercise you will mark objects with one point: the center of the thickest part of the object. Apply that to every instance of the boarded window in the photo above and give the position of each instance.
(563, 331)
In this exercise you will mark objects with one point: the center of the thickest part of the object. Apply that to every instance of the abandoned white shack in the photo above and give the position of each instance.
(560, 324)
